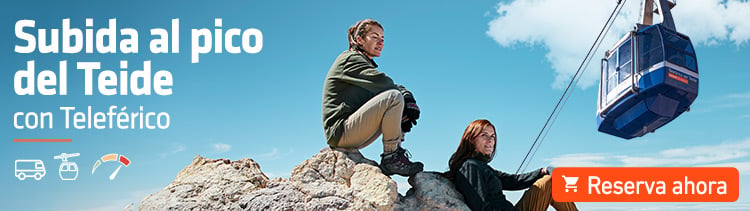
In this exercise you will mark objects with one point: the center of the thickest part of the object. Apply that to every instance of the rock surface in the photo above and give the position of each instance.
(431, 191)
(208, 185)
(327, 181)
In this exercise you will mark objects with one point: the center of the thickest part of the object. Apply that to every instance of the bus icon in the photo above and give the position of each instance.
(30, 168)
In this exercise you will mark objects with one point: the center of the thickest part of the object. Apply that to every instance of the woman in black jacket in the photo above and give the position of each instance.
(482, 186)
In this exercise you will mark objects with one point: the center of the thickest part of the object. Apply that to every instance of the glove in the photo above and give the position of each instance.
(411, 111)
(406, 124)
(410, 116)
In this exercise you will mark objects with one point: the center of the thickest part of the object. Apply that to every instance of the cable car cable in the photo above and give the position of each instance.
(596, 49)
(610, 20)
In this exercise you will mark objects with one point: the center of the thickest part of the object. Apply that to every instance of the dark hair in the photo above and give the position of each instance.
(359, 29)
(466, 148)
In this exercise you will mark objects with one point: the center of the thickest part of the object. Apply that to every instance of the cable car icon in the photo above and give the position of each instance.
(570, 183)
(29, 168)
(68, 170)
(112, 157)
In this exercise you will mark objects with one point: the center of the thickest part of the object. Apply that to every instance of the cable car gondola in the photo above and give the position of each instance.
(648, 78)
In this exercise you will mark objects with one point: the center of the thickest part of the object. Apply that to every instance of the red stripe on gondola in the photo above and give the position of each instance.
(678, 78)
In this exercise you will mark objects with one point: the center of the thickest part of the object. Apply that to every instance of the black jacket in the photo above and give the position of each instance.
(483, 186)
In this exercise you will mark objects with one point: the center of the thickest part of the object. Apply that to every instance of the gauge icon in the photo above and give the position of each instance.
(124, 161)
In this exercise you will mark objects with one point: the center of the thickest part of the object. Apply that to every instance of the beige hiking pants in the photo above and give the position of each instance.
(379, 115)
(539, 197)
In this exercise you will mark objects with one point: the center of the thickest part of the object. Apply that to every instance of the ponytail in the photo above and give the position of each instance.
(358, 29)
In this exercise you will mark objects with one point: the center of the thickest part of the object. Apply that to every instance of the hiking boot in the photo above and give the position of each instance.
(397, 162)
(356, 156)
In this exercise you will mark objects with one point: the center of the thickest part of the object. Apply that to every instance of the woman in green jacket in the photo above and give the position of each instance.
(360, 103)
(482, 186)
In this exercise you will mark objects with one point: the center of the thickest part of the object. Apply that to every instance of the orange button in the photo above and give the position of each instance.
(645, 184)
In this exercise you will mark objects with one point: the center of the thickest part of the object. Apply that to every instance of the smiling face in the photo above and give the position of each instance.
(485, 142)
(372, 41)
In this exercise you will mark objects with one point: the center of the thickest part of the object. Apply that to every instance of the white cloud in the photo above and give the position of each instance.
(582, 159)
(568, 28)
(274, 154)
(742, 167)
(177, 148)
(221, 148)
(712, 21)
(691, 155)
(706, 155)
(738, 96)
(726, 103)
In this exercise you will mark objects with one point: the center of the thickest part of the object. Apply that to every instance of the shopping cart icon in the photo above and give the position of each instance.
(570, 183)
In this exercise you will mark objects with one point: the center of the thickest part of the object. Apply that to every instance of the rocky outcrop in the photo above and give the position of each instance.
(327, 181)
(208, 184)
(431, 191)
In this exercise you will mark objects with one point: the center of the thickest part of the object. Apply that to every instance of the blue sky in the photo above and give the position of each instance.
(500, 60)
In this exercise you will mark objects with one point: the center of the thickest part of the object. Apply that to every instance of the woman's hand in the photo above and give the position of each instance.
(548, 170)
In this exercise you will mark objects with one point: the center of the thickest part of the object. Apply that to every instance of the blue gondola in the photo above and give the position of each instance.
(648, 78)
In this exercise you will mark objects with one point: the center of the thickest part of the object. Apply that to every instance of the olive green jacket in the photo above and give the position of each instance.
(352, 80)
